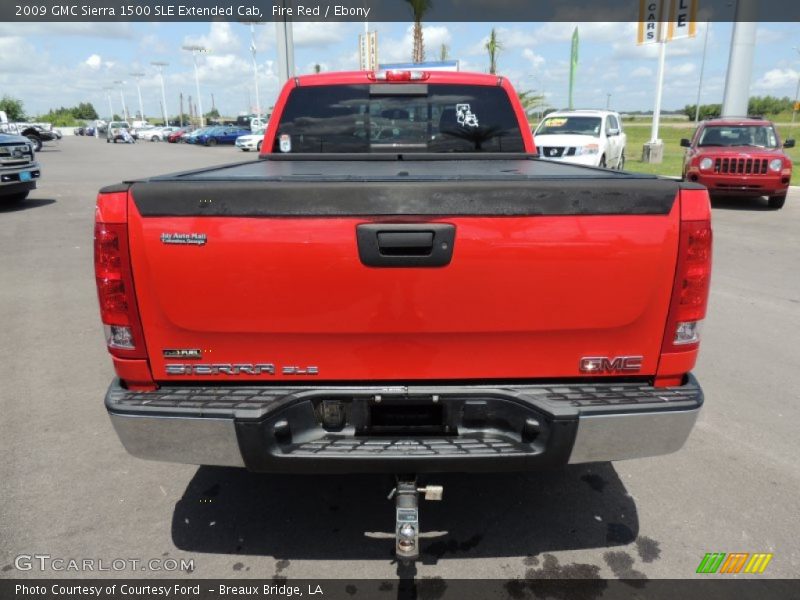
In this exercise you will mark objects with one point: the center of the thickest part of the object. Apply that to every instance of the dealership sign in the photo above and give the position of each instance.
(666, 20)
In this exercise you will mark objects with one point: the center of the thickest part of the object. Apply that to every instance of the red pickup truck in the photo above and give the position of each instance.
(399, 285)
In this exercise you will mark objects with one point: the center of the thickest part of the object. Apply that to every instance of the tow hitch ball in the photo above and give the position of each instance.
(406, 496)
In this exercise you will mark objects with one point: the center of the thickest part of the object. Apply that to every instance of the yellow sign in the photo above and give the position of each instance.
(682, 19)
(651, 14)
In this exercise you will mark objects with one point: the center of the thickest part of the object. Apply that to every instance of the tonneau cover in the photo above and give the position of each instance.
(341, 185)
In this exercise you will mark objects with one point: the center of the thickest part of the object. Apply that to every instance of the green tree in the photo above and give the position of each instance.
(60, 117)
(13, 108)
(317, 68)
(444, 52)
(531, 101)
(419, 8)
(493, 47)
(768, 105)
(85, 110)
(212, 114)
(707, 111)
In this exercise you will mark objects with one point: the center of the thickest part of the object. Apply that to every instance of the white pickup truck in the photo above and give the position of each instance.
(584, 137)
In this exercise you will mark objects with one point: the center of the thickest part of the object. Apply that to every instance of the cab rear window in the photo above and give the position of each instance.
(387, 118)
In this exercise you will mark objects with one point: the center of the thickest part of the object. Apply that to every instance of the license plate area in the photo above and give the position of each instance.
(25, 176)
(406, 418)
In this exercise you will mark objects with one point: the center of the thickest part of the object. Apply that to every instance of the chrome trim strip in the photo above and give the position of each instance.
(189, 440)
(602, 438)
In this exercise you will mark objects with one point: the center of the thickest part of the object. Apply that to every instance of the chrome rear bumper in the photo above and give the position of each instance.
(484, 428)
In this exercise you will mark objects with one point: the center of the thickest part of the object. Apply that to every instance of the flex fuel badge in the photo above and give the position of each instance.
(187, 353)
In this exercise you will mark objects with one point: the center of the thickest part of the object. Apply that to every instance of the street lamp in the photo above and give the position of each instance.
(138, 77)
(120, 83)
(107, 89)
(160, 66)
(255, 62)
(195, 50)
(796, 95)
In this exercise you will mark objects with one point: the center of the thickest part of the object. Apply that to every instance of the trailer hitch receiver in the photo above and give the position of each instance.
(406, 496)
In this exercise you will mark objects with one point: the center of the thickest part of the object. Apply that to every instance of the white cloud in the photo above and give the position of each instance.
(94, 62)
(776, 79)
(108, 30)
(220, 38)
(534, 59)
(642, 72)
(309, 34)
(590, 32)
(433, 36)
(681, 70)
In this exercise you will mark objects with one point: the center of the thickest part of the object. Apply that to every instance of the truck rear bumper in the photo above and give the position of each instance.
(409, 429)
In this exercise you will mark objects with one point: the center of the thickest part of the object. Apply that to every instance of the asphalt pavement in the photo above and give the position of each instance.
(69, 490)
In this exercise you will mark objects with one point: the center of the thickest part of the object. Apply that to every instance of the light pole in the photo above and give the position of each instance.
(160, 66)
(702, 69)
(120, 83)
(107, 90)
(796, 95)
(195, 50)
(138, 77)
(255, 62)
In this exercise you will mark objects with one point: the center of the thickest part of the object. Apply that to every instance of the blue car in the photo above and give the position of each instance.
(191, 138)
(221, 135)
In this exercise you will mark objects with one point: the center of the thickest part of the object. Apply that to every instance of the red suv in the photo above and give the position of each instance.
(739, 157)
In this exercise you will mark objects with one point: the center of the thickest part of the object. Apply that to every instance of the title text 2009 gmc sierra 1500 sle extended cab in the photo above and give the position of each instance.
(399, 285)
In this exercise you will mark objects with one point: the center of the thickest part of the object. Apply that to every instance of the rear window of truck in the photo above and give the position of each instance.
(407, 117)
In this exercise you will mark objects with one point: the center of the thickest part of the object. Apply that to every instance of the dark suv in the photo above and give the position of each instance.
(739, 157)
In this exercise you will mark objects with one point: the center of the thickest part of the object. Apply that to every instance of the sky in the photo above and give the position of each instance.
(48, 65)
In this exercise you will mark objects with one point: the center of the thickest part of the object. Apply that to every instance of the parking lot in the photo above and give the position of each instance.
(70, 490)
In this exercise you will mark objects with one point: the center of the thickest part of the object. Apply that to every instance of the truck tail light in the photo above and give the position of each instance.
(395, 75)
(690, 293)
(115, 291)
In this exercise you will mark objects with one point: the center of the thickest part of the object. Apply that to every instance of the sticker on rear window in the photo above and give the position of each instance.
(465, 116)
(555, 122)
(286, 143)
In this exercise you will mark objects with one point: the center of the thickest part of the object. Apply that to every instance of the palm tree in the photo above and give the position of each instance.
(444, 52)
(317, 68)
(532, 102)
(419, 8)
(493, 47)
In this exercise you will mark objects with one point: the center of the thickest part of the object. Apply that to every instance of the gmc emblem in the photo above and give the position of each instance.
(605, 364)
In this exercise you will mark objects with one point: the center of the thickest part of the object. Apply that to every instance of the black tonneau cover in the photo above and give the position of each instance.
(414, 184)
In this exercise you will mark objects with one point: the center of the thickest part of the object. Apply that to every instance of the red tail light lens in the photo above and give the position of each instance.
(692, 281)
(115, 291)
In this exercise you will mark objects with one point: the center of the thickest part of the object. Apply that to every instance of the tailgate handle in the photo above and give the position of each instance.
(405, 244)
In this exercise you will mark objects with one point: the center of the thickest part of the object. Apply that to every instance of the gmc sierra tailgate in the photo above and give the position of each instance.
(353, 269)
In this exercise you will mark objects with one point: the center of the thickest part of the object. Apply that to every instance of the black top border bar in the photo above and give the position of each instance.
(620, 11)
